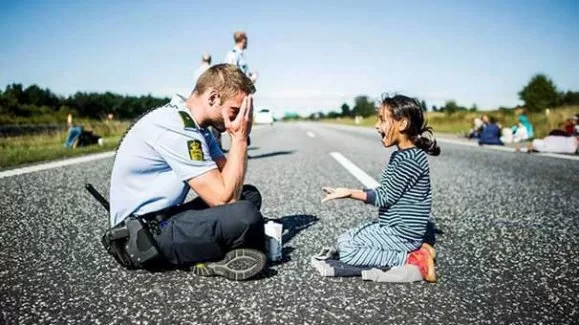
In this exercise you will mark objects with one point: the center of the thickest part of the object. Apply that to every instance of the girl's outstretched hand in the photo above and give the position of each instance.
(336, 193)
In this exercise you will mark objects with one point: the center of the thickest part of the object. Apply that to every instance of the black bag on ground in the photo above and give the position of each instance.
(87, 138)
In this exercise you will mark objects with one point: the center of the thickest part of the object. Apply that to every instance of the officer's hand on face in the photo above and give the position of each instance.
(240, 127)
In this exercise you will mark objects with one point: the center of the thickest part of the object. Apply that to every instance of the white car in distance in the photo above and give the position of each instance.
(263, 116)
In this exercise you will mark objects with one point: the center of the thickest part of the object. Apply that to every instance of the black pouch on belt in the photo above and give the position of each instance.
(131, 244)
(114, 240)
(141, 247)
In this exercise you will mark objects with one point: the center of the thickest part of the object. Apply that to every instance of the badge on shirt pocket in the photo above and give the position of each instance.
(195, 150)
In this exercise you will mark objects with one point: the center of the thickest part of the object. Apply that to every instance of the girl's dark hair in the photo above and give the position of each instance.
(417, 131)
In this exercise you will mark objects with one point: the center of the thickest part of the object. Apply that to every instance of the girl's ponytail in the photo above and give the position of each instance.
(425, 141)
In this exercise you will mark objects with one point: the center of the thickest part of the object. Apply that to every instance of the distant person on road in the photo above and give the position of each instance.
(236, 55)
(491, 133)
(168, 152)
(404, 197)
(205, 64)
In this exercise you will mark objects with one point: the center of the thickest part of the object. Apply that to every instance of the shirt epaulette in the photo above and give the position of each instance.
(187, 120)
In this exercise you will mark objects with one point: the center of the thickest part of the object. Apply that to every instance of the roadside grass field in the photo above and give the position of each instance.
(27, 149)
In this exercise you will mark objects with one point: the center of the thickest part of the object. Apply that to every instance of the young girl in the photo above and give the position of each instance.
(403, 197)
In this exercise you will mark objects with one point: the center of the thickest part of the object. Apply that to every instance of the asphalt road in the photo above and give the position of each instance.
(508, 243)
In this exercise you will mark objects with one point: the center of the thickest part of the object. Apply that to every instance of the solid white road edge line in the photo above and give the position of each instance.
(55, 164)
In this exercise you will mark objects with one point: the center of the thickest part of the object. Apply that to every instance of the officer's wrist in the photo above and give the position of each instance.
(239, 141)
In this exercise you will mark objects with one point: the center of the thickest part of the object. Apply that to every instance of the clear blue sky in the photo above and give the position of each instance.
(311, 55)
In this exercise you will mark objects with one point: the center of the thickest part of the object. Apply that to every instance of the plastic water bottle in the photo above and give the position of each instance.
(273, 243)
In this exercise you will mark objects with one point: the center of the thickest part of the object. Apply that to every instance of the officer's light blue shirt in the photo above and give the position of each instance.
(157, 157)
(235, 56)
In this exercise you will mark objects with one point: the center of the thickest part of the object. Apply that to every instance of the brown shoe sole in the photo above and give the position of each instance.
(430, 275)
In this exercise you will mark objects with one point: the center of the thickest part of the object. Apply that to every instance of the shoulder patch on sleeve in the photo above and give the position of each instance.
(187, 120)
(195, 150)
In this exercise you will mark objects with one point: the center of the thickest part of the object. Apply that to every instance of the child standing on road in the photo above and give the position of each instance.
(396, 237)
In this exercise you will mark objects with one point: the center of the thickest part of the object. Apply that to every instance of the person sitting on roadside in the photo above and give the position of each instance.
(491, 133)
(569, 126)
(478, 126)
(558, 141)
(524, 129)
(77, 136)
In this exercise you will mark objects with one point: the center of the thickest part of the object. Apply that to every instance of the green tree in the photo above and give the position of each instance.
(474, 108)
(333, 114)
(363, 106)
(42, 104)
(16, 92)
(12, 100)
(346, 112)
(570, 98)
(539, 93)
(35, 95)
(450, 107)
(424, 106)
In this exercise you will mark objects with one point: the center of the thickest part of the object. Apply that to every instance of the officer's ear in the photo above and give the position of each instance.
(214, 98)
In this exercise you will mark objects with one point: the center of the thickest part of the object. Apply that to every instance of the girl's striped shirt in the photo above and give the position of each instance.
(404, 196)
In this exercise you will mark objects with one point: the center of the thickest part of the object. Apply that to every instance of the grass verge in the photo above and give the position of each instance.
(21, 150)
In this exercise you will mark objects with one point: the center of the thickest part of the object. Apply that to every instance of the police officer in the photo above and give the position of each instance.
(236, 57)
(205, 64)
(169, 151)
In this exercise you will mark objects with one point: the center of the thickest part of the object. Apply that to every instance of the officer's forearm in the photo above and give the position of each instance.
(234, 171)
(239, 188)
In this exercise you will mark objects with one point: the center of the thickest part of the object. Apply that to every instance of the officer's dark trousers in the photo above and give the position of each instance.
(198, 233)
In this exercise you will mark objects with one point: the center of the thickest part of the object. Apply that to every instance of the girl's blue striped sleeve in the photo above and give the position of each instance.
(393, 185)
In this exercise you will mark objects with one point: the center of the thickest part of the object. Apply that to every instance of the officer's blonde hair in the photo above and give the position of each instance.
(227, 79)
